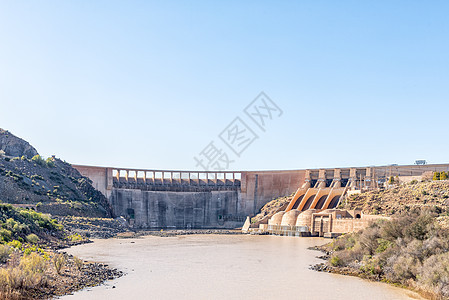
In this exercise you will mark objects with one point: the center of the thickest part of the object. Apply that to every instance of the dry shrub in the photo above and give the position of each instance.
(340, 243)
(427, 176)
(411, 249)
(400, 268)
(10, 295)
(369, 239)
(351, 257)
(27, 274)
(5, 252)
(434, 274)
(78, 263)
(59, 261)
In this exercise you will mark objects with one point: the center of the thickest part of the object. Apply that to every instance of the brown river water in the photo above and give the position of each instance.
(222, 267)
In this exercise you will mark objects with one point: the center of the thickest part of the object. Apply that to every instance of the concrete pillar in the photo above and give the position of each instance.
(353, 178)
(243, 182)
(370, 178)
(312, 225)
(322, 174)
(321, 179)
(321, 227)
(337, 178)
(307, 180)
(307, 175)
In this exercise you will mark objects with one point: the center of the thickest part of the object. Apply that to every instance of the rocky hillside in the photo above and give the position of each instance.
(402, 198)
(49, 186)
(270, 209)
(14, 146)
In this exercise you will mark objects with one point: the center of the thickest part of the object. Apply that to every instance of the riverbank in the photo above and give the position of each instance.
(409, 251)
(349, 271)
(42, 274)
(74, 276)
(32, 264)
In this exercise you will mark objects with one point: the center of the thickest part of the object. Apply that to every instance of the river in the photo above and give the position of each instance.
(222, 267)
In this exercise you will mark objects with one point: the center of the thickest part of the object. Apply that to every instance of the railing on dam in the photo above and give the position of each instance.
(152, 179)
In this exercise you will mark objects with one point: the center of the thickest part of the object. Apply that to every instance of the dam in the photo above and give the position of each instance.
(170, 199)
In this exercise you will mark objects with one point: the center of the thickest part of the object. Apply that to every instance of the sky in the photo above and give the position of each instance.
(153, 84)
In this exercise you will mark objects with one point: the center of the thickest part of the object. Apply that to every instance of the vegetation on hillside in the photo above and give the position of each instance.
(25, 225)
(51, 186)
(34, 191)
(410, 249)
(401, 198)
(30, 268)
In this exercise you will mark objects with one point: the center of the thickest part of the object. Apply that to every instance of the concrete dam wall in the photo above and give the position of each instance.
(159, 199)
(164, 209)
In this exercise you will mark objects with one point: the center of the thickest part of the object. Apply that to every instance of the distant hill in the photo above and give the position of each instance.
(50, 186)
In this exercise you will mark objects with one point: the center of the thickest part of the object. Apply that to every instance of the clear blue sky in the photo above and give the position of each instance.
(148, 84)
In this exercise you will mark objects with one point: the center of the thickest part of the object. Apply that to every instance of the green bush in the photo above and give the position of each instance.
(391, 180)
(15, 244)
(42, 220)
(336, 261)
(38, 160)
(75, 237)
(383, 245)
(32, 238)
(50, 162)
(5, 235)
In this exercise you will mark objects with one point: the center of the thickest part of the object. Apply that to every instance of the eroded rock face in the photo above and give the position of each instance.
(15, 146)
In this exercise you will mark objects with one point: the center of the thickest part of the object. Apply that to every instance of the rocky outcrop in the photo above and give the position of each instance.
(50, 186)
(269, 209)
(15, 146)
